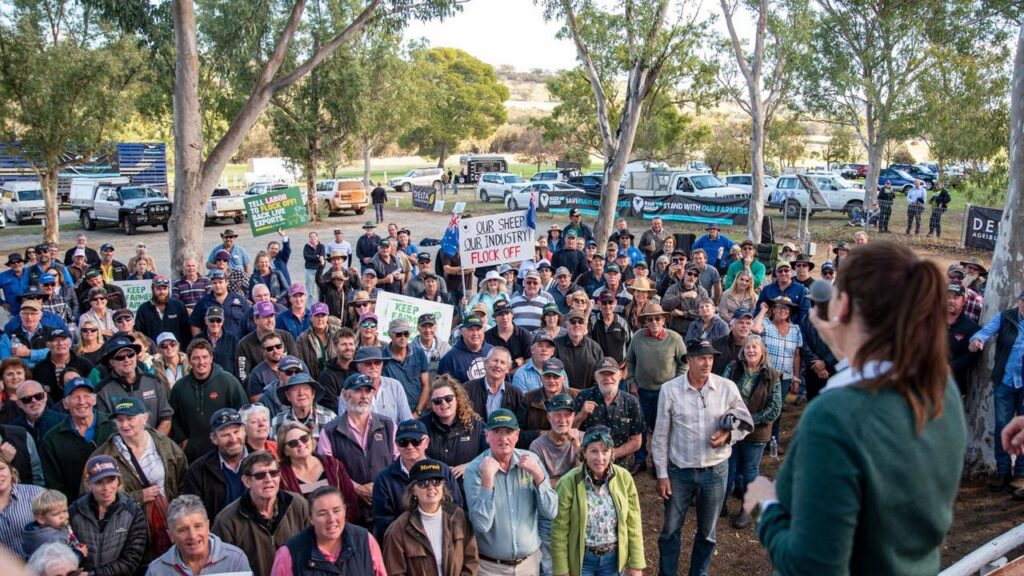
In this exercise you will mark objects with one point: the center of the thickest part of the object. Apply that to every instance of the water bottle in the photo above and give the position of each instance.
(242, 374)
(773, 449)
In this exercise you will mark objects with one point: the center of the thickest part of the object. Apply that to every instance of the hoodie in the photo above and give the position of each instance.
(224, 558)
(462, 363)
(195, 402)
(36, 534)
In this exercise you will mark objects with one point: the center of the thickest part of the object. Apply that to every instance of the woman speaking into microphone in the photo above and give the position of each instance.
(868, 483)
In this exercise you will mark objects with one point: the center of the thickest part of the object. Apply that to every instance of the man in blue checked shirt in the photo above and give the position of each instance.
(1008, 388)
(507, 491)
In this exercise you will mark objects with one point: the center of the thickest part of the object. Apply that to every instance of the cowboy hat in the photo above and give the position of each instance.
(641, 285)
(653, 309)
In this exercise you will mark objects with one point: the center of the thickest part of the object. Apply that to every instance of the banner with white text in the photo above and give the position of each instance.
(277, 210)
(135, 292)
(396, 306)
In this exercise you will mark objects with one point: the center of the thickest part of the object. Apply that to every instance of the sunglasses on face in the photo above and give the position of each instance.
(362, 305)
(607, 303)
(37, 397)
(576, 321)
(429, 483)
(123, 320)
(374, 362)
(828, 273)
(368, 325)
(89, 330)
(273, 347)
(400, 335)
(262, 475)
(296, 442)
(170, 344)
(215, 320)
(406, 442)
(693, 274)
(443, 400)
(50, 284)
(125, 356)
(99, 298)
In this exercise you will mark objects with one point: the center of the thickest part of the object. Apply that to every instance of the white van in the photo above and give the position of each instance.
(23, 201)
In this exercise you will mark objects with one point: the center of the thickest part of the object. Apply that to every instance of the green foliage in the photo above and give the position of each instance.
(461, 99)
(988, 187)
(785, 141)
(386, 105)
(840, 146)
(902, 155)
(728, 149)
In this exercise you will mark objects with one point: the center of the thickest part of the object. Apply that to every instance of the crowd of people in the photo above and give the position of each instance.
(244, 420)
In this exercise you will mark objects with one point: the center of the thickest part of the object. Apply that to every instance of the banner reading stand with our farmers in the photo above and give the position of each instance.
(396, 306)
(275, 211)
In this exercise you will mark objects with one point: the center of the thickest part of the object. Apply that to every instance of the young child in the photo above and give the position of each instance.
(50, 509)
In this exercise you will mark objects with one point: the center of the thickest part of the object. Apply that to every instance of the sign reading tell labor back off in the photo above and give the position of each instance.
(275, 211)
(135, 292)
(396, 306)
(496, 239)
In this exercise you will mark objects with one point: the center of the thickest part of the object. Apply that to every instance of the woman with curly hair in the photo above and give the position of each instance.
(456, 431)
(579, 300)
(740, 295)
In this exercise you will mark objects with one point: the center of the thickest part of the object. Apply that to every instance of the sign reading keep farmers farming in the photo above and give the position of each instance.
(396, 306)
(495, 239)
(275, 211)
(135, 292)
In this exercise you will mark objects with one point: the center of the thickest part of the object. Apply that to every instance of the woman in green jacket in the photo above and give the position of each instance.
(597, 531)
(869, 480)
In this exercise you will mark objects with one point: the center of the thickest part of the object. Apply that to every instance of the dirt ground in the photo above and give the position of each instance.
(978, 516)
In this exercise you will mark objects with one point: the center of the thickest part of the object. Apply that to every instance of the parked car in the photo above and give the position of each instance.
(658, 183)
(115, 201)
(588, 183)
(744, 182)
(418, 177)
(258, 188)
(849, 171)
(900, 180)
(338, 195)
(791, 195)
(224, 204)
(547, 176)
(498, 185)
(23, 201)
(520, 198)
(927, 177)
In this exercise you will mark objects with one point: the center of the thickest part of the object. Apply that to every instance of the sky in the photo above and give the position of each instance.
(515, 32)
(501, 32)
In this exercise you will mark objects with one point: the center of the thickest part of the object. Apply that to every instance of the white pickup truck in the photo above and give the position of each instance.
(658, 183)
(791, 195)
(223, 205)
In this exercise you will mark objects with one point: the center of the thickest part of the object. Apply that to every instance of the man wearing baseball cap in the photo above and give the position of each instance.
(558, 449)
(249, 351)
(693, 461)
(426, 340)
(313, 346)
(81, 245)
(408, 365)
(235, 307)
(507, 492)
(535, 420)
(960, 329)
(390, 276)
(26, 336)
(580, 353)
(111, 270)
(749, 262)
(296, 318)
(606, 404)
(528, 306)
(507, 334)
(339, 244)
(389, 397)
(390, 484)
(66, 448)
(239, 258)
(570, 256)
(577, 226)
(125, 379)
(163, 313)
(216, 475)
(785, 286)
(465, 360)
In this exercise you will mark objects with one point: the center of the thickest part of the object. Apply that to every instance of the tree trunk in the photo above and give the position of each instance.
(48, 181)
(756, 166)
(312, 168)
(186, 230)
(442, 156)
(366, 163)
(615, 165)
(1005, 280)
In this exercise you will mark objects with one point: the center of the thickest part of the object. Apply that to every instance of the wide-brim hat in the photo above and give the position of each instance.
(493, 275)
(229, 233)
(976, 262)
(804, 259)
(362, 296)
(641, 285)
(653, 309)
(785, 301)
(841, 246)
(300, 378)
(368, 354)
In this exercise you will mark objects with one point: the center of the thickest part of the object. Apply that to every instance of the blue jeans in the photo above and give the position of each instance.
(594, 565)
(786, 383)
(544, 531)
(709, 486)
(744, 464)
(378, 210)
(312, 290)
(1009, 402)
(649, 408)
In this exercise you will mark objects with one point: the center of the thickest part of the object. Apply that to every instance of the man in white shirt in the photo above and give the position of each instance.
(340, 243)
(699, 416)
(915, 205)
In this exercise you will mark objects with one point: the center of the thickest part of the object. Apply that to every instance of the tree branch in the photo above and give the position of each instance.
(276, 59)
(595, 79)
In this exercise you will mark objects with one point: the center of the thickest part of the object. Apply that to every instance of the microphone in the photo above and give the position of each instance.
(820, 294)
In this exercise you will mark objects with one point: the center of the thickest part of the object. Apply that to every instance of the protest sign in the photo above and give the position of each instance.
(495, 239)
(135, 292)
(275, 211)
(982, 227)
(394, 306)
(424, 196)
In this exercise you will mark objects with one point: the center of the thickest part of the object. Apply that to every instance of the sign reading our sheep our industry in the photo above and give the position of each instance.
(495, 239)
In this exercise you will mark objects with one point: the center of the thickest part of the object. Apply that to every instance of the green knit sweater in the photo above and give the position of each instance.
(860, 492)
(651, 362)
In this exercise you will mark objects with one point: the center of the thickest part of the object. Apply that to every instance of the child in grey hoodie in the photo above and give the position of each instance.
(50, 509)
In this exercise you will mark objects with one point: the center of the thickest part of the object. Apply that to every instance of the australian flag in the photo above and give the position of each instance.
(450, 240)
(531, 212)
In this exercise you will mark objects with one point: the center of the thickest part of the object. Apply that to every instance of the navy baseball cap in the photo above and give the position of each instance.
(357, 381)
(225, 417)
(76, 383)
(411, 429)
